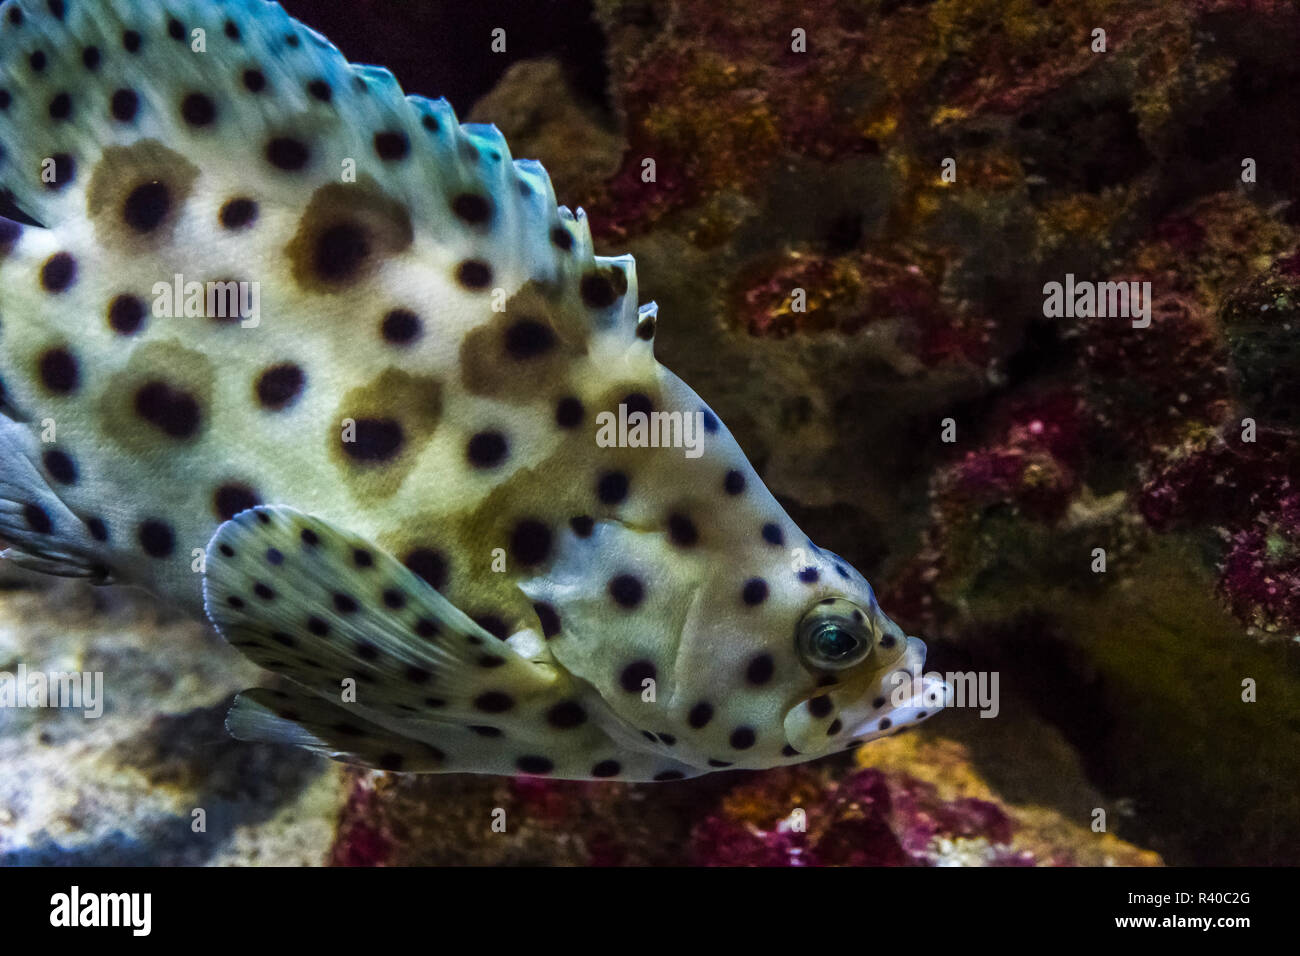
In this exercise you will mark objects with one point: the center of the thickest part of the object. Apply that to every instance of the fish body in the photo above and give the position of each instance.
(312, 360)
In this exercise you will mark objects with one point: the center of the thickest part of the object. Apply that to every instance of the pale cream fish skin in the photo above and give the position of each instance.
(388, 488)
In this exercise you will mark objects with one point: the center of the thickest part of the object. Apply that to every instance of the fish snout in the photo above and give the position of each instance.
(905, 695)
(873, 704)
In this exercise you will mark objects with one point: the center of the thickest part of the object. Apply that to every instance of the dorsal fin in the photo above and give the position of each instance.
(252, 97)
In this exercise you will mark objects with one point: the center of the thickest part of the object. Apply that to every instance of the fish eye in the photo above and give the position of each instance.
(834, 635)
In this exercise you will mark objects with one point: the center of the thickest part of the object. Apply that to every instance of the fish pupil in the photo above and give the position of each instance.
(834, 643)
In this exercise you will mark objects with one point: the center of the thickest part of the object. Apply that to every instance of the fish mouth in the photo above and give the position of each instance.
(909, 699)
(881, 701)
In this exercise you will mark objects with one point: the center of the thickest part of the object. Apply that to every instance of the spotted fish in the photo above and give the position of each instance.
(406, 456)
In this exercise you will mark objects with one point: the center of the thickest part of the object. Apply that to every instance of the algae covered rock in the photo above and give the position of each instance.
(153, 779)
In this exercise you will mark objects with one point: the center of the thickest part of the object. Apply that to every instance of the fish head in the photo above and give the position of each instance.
(739, 652)
(868, 676)
(819, 673)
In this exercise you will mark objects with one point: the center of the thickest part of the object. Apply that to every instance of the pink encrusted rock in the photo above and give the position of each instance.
(1248, 494)
(885, 816)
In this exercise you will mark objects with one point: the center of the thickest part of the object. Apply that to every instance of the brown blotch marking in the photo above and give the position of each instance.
(182, 370)
(545, 490)
(346, 233)
(122, 170)
(439, 533)
(413, 402)
(545, 493)
(619, 394)
(486, 365)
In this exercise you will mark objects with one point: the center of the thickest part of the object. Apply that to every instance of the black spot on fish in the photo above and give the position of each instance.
(64, 172)
(742, 738)
(530, 542)
(401, 327)
(279, 386)
(59, 273)
(682, 530)
(534, 765)
(528, 338)
(700, 714)
(157, 538)
(471, 208)
(430, 565)
(60, 108)
(392, 145)
(474, 274)
(494, 625)
(597, 291)
(340, 251)
(487, 449)
(566, 715)
(760, 669)
(147, 206)
(754, 592)
(612, 487)
(126, 314)
(171, 410)
(626, 590)
(549, 618)
(59, 371)
(37, 519)
(60, 466)
(377, 440)
(631, 677)
(232, 498)
(569, 412)
(124, 105)
(287, 154)
(197, 109)
(238, 213)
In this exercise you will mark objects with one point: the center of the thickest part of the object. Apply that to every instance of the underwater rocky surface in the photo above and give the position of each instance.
(124, 788)
(775, 171)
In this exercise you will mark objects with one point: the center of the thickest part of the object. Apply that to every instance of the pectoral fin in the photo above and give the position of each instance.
(321, 606)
